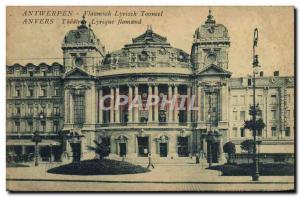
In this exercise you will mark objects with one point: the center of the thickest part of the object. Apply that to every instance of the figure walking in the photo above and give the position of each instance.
(150, 164)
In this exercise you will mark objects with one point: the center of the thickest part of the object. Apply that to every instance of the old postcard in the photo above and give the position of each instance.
(150, 99)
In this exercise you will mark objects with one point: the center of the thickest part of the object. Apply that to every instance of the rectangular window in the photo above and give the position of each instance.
(18, 110)
(30, 126)
(273, 99)
(287, 132)
(242, 115)
(242, 132)
(79, 109)
(235, 133)
(30, 109)
(249, 82)
(18, 93)
(30, 92)
(274, 131)
(56, 91)
(44, 92)
(288, 116)
(55, 126)
(44, 73)
(56, 111)
(235, 115)
(43, 123)
(273, 114)
(17, 126)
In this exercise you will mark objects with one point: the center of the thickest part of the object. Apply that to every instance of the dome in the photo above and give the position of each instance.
(83, 36)
(210, 31)
(147, 50)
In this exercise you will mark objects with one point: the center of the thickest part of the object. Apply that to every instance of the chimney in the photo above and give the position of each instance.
(276, 73)
(261, 74)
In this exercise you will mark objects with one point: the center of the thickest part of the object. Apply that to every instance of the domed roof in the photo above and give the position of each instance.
(83, 36)
(211, 32)
(147, 50)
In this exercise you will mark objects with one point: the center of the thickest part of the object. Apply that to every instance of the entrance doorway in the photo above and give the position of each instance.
(183, 146)
(213, 152)
(163, 149)
(143, 146)
(76, 149)
(122, 149)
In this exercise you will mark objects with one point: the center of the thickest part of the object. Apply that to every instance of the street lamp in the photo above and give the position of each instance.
(37, 139)
(255, 64)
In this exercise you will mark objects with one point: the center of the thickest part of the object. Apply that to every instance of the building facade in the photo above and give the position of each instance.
(63, 102)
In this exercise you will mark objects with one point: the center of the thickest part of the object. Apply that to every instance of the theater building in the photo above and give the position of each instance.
(62, 101)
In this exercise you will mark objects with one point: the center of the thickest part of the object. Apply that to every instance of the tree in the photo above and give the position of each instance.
(229, 148)
(248, 145)
(101, 149)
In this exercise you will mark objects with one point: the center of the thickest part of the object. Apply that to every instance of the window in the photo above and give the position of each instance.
(234, 115)
(249, 82)
(56, 72)
(43, 123)
(259, 133)
(30, 126)
(30, 73)
(242, 115)
(44, 91)
(17, 126)
(18, 92)
(55, 126)
(56, 111)
(182, 147)
(242, 100)
(274, 131)
(30, 92)
(18, 110)
(287, 132)
(273, 114)
(56, 91)
(143, 146)
(79, 109)
(273, 99)
(234, 130)
(30, 109)
(288, 112)
(44, 73)
(242, 132)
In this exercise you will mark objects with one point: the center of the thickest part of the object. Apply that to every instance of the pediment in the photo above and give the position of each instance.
(213, 70)
(77, 73)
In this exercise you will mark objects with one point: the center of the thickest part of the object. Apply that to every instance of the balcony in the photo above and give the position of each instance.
(147, 124)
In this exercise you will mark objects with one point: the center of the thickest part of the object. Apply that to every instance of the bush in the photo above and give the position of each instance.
(98, 167)
(229, 148)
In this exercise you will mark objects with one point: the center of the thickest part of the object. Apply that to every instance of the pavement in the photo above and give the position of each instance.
(164, 177)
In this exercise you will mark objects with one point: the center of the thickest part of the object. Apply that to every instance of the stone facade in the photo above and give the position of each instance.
(62, 102)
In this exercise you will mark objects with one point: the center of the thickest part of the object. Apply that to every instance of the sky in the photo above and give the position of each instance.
(37, 43)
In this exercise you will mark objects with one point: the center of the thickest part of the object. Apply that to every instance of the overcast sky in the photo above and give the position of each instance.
(42, 43)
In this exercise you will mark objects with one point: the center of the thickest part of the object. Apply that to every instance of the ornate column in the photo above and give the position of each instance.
(117, 109)
(67, 107)
(156, 106)
(112, 103)
(176, 104)
(188, 103)
(150, 119)
(129, 103)
(100, 93)
(136, 109)
(199, 100)
(170, 107)
(71, 108)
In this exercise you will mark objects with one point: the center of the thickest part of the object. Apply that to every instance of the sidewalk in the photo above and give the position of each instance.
(163, 173)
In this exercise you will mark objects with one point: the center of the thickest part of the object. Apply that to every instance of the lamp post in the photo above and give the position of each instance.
(210, 137)
(255, 64)
(37, 139)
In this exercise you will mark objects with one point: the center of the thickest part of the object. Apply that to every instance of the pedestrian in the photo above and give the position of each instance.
(150, 164)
